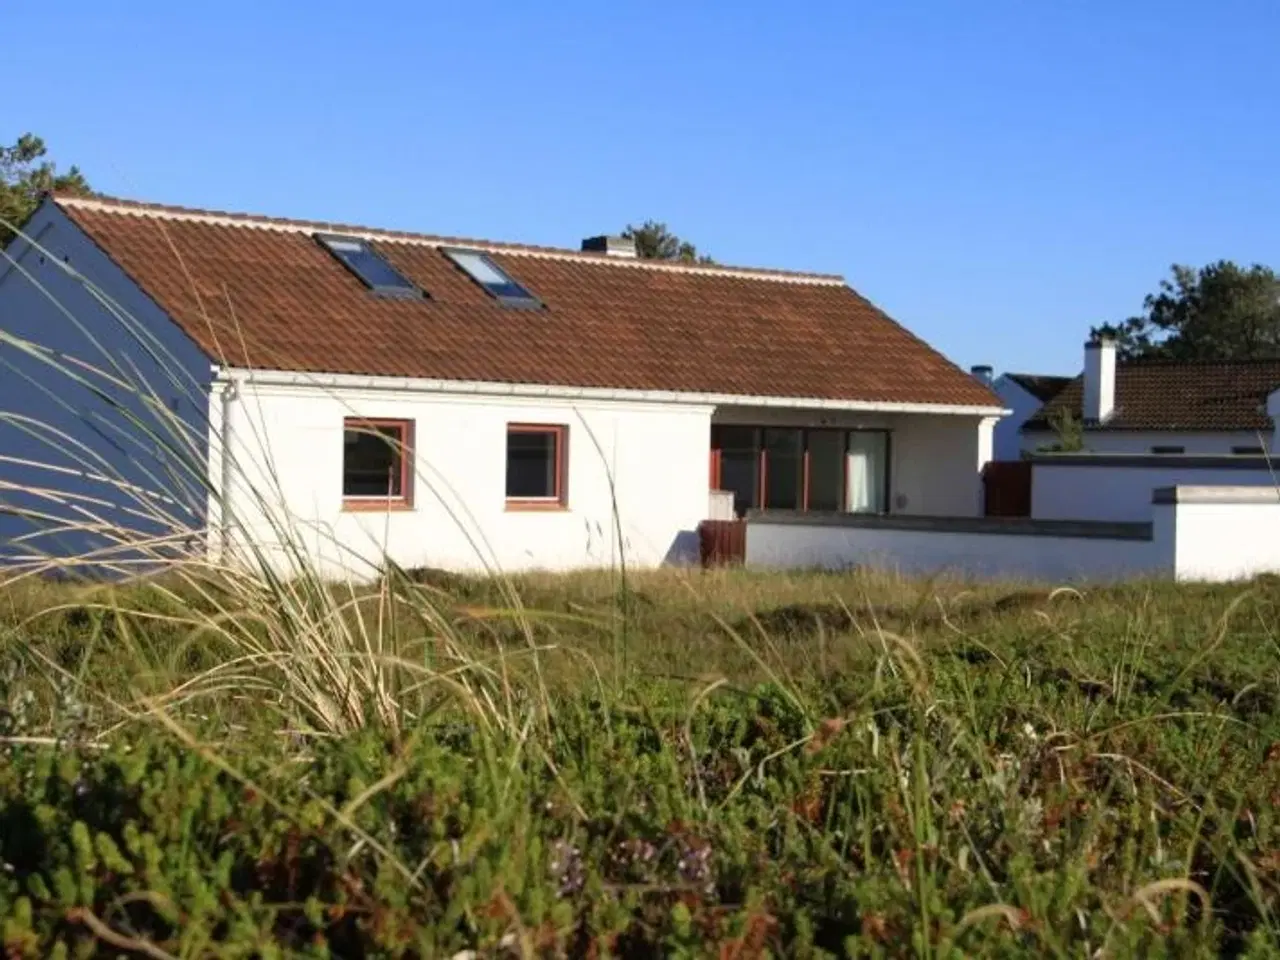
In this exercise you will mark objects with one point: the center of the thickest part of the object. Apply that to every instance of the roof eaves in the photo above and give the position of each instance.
(332, 381)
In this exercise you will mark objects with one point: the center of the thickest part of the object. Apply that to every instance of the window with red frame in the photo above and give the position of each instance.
(536, 474)
(376, 459)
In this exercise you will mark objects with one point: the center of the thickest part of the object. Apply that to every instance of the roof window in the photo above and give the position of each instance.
(481, 268)
(367, 264)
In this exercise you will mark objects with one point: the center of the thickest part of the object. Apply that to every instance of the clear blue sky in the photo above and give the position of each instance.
(998, 175)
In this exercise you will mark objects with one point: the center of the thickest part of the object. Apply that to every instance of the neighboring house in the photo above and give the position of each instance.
(238, 382)
(1023, 394)
(1164, 407)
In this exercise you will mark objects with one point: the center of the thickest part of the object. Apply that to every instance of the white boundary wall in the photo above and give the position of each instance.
(1196, 533)
(1221, 533)
(988, 549)
(1119, 488)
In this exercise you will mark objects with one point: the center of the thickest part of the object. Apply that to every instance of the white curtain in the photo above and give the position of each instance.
(865, 473)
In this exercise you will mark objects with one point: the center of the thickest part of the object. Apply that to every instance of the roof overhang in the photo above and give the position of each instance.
(361, 382)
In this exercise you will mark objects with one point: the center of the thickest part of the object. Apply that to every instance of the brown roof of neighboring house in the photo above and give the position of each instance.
(1041, 386)
(1170, 395)
(260, 292)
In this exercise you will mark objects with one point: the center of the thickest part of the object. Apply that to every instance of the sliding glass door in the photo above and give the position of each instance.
(782, 463)
(736, 460)
(793, 468)
(865, 472)
(826, 469)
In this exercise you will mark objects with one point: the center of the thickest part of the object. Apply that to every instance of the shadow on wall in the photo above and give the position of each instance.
(76, 550)
(684, 551)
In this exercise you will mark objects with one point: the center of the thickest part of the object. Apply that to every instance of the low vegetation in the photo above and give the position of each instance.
(719, 764)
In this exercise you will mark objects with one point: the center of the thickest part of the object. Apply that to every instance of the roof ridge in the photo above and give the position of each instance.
(1199, 362)
(128, 207)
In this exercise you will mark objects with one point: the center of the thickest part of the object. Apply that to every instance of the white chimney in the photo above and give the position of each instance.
(1099, 379)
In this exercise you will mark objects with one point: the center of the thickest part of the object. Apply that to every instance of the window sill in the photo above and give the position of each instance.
(537, 506)
(376, 506)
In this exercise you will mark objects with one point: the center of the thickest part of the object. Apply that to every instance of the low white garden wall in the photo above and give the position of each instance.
(1119, 487)
(994, 548)
(1220, 533)
(1195, 533)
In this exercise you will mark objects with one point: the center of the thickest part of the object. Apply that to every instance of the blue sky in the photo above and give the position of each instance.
(998, 176)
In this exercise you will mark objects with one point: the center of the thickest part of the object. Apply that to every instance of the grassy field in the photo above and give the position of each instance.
(720, 764)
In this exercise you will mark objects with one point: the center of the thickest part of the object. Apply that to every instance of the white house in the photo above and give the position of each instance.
(1207, 408)
(224, 382)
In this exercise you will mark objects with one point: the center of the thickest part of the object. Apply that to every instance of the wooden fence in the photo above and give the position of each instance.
(1006, 488)
(722, 542)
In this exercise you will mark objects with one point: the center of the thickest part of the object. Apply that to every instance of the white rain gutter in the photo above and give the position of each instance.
(334, 381)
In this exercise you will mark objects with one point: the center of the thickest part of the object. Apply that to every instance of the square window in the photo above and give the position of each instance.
(376, 458)
(536, 462)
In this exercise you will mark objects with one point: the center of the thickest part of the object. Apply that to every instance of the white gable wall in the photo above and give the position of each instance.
(41, 304)
(287, 441)
(1008, 442)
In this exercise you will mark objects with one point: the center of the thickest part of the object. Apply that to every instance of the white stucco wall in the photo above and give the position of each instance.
(1107, 492)
(937, 465)
(1224, 533)
(1117, 441)
(1012, 557)
(288, 446)
(71, 435)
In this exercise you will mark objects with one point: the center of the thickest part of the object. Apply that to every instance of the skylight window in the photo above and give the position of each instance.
(362, 260)
(481, 268)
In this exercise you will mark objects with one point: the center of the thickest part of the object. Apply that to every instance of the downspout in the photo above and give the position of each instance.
(226, 520)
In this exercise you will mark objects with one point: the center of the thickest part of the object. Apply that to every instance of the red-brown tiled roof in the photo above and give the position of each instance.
(257, 292)
(1173, 395)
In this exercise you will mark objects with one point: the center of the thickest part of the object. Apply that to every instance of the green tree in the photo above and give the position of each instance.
(1068, 432)
(1220, 312)
(24, 175)
(655, 242)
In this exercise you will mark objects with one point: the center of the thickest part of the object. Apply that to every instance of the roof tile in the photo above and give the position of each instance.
(1168, 395)
(263, 293)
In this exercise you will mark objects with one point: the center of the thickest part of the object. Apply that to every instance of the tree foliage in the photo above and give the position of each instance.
(655, 242)
(24, 175)
(1068, 432)
(1220, 312)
